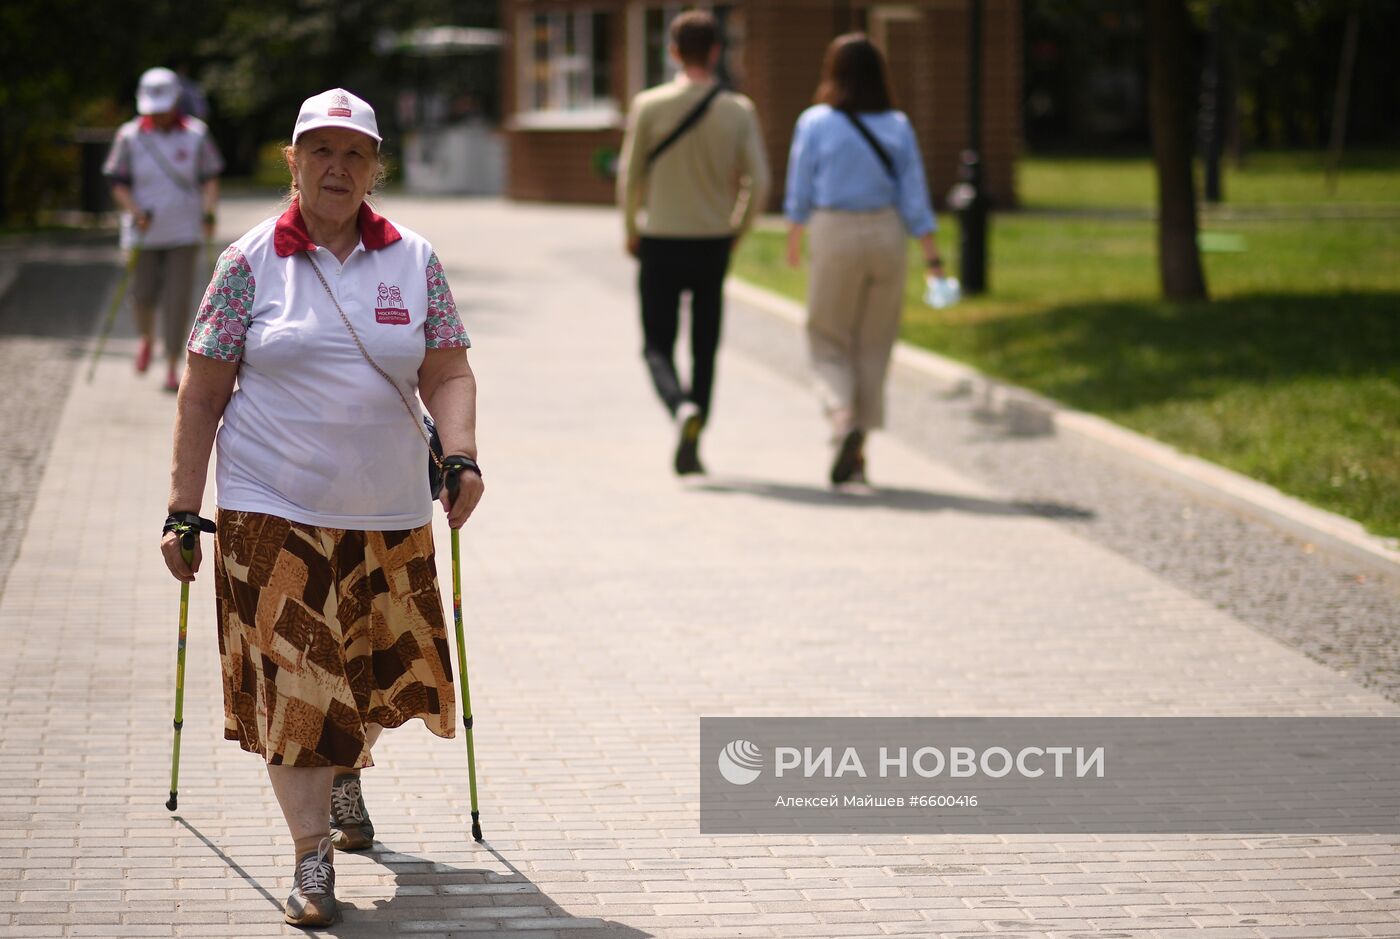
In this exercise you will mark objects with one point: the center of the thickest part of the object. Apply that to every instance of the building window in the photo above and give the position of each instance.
(651, 39)
(658, 66)
(566, 70)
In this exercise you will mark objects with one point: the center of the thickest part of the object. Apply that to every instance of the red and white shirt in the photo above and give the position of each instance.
(312, 433)
(165, 169)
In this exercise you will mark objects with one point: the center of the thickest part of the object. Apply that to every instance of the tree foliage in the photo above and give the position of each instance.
(1086, 64)
(67, 63)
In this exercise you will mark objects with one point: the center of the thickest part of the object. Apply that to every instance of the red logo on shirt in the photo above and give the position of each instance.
(340, 106)
(389, 307)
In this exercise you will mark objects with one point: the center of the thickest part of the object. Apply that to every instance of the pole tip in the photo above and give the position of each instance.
(171, 802)
(476, 830)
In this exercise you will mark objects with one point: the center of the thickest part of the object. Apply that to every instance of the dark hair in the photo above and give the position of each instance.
(694, 34)
(853, 76)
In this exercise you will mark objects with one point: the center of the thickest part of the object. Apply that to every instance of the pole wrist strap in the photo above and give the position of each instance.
(183, 522)
(459, 464)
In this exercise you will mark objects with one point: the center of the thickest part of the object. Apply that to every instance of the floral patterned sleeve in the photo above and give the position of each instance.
(443, 328)
(221, 325)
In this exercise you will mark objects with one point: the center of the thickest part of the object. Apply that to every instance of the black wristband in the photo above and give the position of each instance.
(182, 522)
(458, 463)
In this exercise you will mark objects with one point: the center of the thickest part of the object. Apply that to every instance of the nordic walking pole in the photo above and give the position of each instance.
(451, 479)
(186, 552)
(111, 317)
(187, 526)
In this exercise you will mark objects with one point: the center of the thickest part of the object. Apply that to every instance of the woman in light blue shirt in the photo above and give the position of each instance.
(856, 186)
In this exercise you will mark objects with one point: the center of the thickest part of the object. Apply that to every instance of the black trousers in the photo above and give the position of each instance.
(669, 267)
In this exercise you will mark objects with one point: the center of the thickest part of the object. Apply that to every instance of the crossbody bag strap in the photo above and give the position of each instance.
(875, 144)
(373, 364)
(690, 120)
(165, 167)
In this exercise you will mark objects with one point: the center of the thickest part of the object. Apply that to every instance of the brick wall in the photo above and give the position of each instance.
(558, 165)
(783, 57)
(941, 114)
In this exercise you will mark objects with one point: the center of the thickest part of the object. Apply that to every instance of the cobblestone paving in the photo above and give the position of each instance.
(609, 607)
(46, 318)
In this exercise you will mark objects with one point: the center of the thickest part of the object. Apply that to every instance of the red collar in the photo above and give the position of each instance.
(290, 235)
(148, 123)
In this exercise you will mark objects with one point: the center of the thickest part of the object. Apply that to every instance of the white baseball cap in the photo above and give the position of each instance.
(157, 91)
(336, 108)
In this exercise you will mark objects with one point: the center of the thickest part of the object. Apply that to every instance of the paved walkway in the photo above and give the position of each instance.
(610, 606)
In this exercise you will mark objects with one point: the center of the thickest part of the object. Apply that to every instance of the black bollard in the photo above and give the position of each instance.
(969, 199)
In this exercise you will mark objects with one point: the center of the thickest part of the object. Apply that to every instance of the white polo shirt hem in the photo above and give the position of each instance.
(298, 516)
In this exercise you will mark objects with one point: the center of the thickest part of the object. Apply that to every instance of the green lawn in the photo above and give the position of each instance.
(1291, 374)
(1265, 179)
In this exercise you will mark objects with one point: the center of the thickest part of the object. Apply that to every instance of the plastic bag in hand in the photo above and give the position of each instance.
(942, 292)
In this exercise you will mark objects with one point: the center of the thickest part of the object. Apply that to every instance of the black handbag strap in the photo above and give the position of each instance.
(875, 144)
(690, 120)
(433, 454)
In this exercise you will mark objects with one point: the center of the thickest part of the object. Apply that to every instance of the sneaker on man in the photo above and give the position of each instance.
(351, 829)
(688, 446)
(312, 900)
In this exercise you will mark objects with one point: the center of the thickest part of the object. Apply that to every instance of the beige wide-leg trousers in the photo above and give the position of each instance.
(855, 297)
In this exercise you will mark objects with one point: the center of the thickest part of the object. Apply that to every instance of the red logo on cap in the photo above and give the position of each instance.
(340, 106)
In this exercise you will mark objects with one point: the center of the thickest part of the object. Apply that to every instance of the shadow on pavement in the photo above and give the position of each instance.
(233, 865)
(891, 497)
(440, 898)
(443, 899)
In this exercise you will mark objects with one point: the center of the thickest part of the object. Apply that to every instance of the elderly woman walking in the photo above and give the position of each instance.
(164, 169)
(856, 184)
(315, 338)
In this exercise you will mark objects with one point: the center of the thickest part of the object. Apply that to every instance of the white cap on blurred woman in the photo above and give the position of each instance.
(157, 91)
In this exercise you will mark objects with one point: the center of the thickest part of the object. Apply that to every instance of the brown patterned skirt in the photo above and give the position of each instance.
(323, 631)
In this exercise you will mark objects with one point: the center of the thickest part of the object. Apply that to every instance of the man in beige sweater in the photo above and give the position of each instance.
(693, 162)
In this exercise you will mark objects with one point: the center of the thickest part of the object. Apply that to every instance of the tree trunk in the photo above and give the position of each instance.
(1170, 93)
(1339, 105)
(1212, 110)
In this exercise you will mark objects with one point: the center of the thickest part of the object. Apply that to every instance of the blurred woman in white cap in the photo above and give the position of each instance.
(318, 335)
(164, 170)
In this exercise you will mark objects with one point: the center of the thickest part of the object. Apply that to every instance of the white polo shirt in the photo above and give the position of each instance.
(312, 433)
(165, 169)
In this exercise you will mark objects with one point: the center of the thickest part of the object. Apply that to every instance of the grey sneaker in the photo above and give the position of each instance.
(312, 901)
(351, 829)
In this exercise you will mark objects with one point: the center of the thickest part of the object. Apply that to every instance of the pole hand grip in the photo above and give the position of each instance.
(452, 469)
(187, 526)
